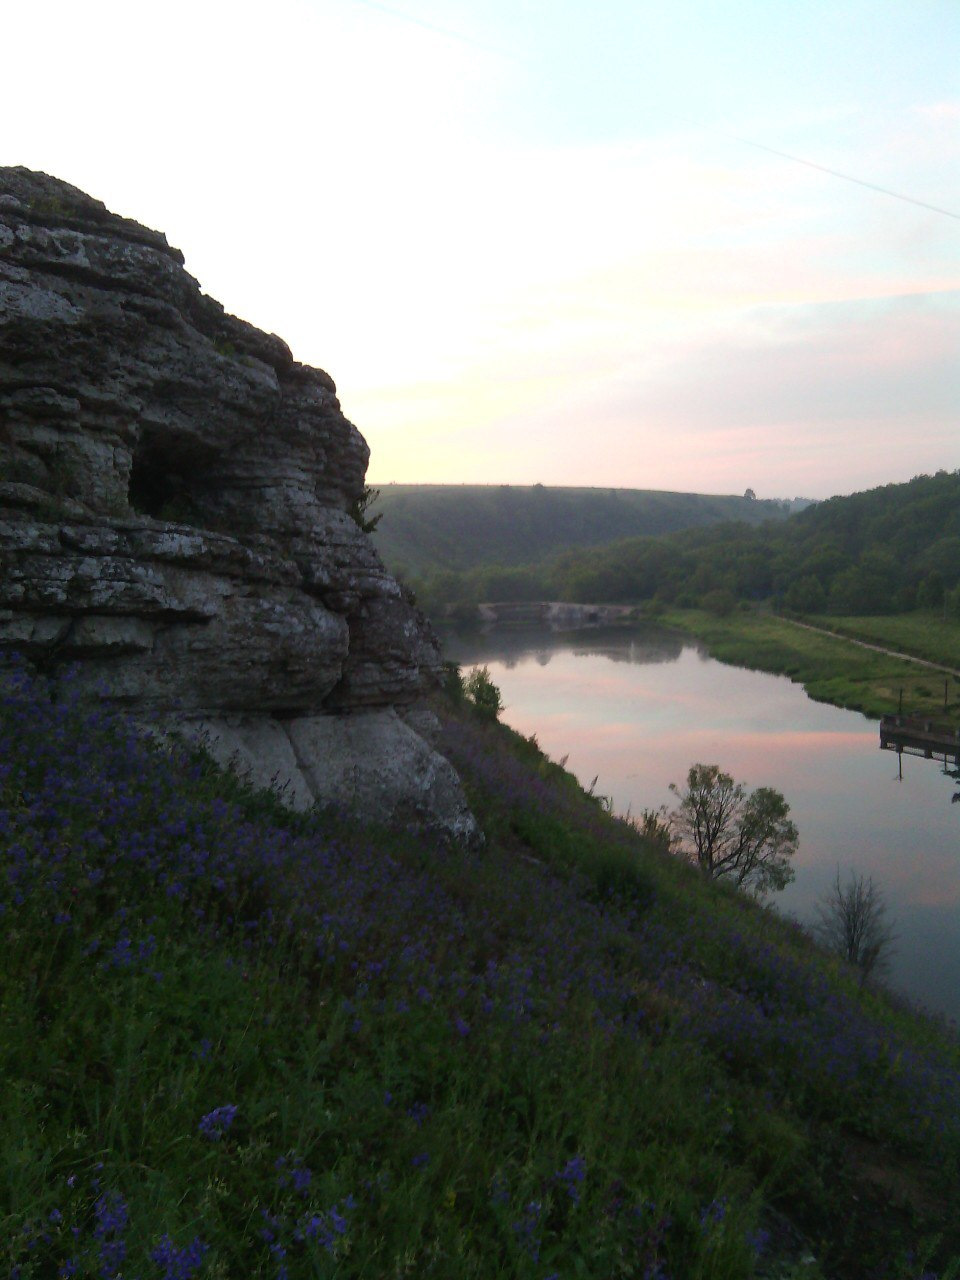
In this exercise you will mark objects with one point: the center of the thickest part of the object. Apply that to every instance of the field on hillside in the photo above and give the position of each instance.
(236, 1041)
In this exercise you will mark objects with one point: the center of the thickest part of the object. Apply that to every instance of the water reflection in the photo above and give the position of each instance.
(638, 644)
(638, 707)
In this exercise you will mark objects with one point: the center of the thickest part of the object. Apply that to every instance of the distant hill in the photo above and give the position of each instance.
(429, 527)
(884, 551)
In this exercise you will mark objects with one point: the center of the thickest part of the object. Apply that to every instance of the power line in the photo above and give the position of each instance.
(746, 142)
(835, 173)
(810, 164)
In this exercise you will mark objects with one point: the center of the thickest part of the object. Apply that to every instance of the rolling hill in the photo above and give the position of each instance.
(428, 527)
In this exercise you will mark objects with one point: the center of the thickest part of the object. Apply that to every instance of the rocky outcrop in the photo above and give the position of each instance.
(180, 515)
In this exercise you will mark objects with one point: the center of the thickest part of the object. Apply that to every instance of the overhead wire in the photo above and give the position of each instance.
(730, 137)
(847, 177)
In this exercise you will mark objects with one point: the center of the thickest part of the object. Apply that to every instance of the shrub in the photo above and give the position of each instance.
(483, 693)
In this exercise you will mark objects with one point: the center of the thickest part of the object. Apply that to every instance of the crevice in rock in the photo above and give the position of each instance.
(163, 483)
(89, 276)
(302, 763)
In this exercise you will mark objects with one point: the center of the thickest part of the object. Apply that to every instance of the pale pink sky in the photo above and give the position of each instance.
(525, 241)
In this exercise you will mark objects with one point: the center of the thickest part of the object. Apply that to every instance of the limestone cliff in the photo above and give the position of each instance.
(176, 499)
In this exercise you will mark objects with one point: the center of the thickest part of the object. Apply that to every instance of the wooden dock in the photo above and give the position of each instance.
(916, 736)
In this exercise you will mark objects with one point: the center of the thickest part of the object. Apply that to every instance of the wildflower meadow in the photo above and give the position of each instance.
(238, 1041)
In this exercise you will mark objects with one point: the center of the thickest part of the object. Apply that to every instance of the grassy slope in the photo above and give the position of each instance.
(237, 1042)
(429, 527)
(830, 669)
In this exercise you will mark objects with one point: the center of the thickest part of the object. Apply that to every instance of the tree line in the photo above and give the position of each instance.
(459, 527)
(888, 550)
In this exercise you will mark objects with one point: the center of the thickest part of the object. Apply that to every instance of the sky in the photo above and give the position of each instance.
(544, 242)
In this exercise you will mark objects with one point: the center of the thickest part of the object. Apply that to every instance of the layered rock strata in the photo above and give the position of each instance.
(179, 516)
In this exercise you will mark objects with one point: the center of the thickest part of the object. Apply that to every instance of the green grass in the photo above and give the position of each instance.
(829, 668)
(924, 634)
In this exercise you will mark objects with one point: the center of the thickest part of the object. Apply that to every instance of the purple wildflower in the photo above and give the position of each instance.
(329, 1227)
(758, 1240)
(571, 1177)
(525, 1229)
(714, 1212)
(216, 1122)
(179, 1264)
(418, 1113)
(110, 1212)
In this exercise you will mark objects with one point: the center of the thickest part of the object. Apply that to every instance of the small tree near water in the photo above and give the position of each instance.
(483, 693)
(854, 926)
(727, 832)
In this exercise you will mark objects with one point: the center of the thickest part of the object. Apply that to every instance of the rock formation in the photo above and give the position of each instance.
(180, 515)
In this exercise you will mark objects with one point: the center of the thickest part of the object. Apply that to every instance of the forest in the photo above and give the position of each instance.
(888, 550)
(422, 527)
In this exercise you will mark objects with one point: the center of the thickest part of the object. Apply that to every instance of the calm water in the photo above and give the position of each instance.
(636, 708)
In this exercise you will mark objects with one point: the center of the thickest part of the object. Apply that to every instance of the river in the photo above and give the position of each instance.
(634, 708)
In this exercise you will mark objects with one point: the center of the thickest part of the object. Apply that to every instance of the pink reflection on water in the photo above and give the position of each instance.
(638, 726)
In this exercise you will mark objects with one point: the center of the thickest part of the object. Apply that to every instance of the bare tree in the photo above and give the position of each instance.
(727, 832)
(853, 924)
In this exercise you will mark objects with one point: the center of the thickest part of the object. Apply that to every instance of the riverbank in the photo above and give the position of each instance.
(831, 667)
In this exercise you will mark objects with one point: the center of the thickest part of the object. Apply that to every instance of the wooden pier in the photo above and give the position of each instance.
(915, 736)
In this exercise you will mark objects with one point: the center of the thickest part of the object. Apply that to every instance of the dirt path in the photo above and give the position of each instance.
(877, 648)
